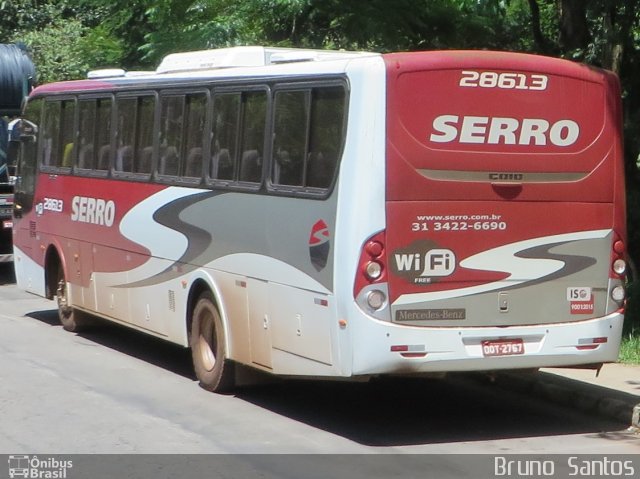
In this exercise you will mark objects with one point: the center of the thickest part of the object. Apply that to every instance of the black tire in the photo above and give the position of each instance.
(208, 349)
(71, 319)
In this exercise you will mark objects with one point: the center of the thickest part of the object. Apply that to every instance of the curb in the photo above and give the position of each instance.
(586, 397)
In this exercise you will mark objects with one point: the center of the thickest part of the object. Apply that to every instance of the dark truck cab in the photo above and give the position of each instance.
(17, 77)
(7, 180)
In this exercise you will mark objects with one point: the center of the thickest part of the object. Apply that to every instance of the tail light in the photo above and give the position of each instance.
(370, 287)
(618, 269)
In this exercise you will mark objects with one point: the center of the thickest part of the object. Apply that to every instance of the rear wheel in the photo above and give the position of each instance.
(70, 318)
(208, 349)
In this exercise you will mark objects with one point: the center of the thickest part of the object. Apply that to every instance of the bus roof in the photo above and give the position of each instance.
(222, 62)
(267, 61)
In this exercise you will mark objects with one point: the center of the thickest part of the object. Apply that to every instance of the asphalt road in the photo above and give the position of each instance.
(113, 390)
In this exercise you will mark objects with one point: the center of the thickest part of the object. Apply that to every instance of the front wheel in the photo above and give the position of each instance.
(208, 349)
(70, 318)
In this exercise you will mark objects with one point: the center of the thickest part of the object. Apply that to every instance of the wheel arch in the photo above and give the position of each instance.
(200, 284)
(53, 260)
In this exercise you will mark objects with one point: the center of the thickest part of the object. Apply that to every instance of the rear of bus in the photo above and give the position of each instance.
(505, 230)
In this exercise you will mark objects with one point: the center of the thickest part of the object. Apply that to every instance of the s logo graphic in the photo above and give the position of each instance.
(319, 245)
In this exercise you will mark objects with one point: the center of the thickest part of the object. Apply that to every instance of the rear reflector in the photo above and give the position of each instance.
(590, 343)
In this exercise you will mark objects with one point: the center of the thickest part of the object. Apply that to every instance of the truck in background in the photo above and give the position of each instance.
(7, 179)
(17, 76)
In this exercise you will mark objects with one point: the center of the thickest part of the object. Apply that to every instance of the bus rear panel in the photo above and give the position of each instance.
(504, 212)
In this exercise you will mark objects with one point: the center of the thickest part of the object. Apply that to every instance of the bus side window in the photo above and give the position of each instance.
(308, 136)
(171, 126)
(103, 133)
(58, 133)
(126, 108)
(226, 117)
(67, 133)
(196, 106)
(51, 133)
(326, 135)
(87, 127)
(253, 124)
(143, 152)
(290, 137)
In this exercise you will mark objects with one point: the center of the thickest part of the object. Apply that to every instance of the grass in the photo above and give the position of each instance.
(630, 347)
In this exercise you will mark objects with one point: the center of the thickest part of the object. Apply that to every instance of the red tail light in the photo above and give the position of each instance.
(372, 267)
(618, 261)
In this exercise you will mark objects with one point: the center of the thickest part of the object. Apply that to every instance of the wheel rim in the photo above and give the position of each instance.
(61, 295)
(206, 341)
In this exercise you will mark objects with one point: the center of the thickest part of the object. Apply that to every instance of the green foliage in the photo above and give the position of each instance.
(630, 347)
(67, 60)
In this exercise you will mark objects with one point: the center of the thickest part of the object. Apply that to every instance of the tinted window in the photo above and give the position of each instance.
(171, 131)
(226, 111)
(134, 148)
(326, 135)
(86, 139)
(144, 135)
(253, 124)
(126, 134)
(103, 133)
(290, 137)
(308, 136)
(196, 108)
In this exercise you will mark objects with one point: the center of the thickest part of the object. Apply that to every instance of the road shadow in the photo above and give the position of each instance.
(150, 349)
(382, 412)
(404, 411)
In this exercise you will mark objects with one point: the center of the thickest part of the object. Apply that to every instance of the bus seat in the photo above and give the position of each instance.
(319, 170)
(67, 155)
(104, 157)
(193, 166)
(85, 157)
(251, 166)
(146, 157)
(169, 161)
(221, 165)
(124, 158)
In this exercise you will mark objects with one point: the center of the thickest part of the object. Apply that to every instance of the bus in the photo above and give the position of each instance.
(330, 214)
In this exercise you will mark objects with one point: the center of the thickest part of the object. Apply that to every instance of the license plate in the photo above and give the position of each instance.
(503, 347)
(7, 224)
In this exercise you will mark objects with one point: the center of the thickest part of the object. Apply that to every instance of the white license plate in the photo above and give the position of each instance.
(7, 224)
(503, 347)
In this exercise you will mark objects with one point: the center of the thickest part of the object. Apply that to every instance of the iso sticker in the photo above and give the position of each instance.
(578, 294)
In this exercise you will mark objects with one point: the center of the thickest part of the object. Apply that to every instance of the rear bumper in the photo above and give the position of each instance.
(460, 349)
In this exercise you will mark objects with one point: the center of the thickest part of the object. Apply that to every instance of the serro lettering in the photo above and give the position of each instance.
(93, 210)
(507, 131)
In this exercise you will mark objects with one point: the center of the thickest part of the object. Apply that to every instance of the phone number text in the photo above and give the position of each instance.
(459, 226)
